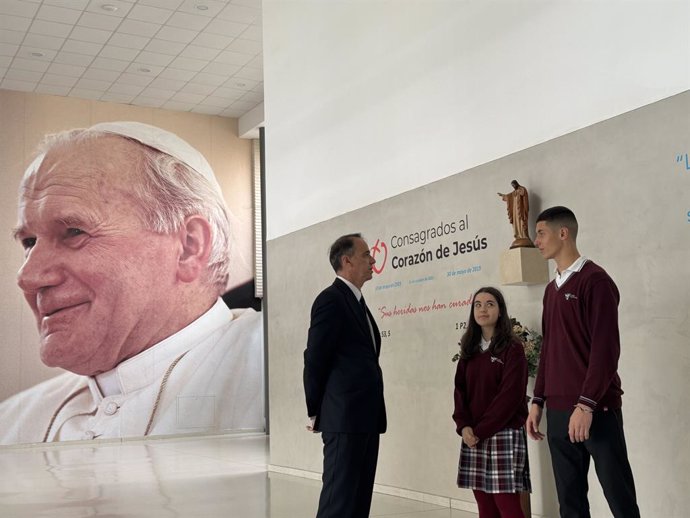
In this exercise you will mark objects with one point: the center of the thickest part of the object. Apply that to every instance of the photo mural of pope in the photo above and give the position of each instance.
(126, 254)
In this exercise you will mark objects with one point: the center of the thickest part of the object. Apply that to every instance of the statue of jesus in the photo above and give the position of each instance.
(518, 209)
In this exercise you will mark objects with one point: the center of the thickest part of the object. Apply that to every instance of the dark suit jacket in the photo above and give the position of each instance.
(343, 382)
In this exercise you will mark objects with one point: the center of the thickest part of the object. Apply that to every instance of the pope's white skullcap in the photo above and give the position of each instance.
(161, 140)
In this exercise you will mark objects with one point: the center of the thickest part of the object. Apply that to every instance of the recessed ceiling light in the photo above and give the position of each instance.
(37, 54)
(109, 7)
(202, 7)
(144, 70)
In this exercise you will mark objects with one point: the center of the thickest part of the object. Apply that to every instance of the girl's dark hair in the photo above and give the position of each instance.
(503, 334)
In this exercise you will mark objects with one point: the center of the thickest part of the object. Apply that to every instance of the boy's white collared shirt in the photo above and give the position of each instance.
(561, 277)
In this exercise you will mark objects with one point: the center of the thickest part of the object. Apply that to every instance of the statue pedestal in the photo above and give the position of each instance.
(522, 242)
(523, 267)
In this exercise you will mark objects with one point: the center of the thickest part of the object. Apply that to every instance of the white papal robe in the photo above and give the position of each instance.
(206, 378)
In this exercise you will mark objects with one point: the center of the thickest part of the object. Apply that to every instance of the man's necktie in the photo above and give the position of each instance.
(366, 316)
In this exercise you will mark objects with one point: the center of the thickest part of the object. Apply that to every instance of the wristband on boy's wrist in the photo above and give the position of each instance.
(585, 408)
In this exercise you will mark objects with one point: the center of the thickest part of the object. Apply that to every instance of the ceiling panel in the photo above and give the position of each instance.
(203, 56)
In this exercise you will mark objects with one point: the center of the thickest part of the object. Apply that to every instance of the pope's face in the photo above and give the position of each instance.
(99, 283)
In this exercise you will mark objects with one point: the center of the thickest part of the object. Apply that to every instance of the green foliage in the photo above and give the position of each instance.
(531, 341)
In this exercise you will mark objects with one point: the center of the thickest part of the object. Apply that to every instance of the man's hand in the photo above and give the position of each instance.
(468, 437)
(310, 424)
(579, 424)
(532, 424)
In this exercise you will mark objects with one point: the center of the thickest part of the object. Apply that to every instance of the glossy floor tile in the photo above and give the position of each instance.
(201, 477)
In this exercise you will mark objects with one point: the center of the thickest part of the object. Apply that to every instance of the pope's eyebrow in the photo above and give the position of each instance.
(74, 221)
(18, 232)
(69, 220)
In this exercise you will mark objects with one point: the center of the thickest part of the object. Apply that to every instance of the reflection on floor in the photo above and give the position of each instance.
(201, 477)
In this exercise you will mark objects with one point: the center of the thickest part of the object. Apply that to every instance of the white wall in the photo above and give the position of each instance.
(368, 99)
(623, 180)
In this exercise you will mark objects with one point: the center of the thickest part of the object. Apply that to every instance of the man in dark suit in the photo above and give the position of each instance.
(343, 383)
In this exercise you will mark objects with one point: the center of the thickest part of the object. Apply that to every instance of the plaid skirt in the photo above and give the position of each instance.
(498, 464)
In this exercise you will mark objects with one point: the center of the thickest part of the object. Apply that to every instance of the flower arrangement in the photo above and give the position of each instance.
(531, 341)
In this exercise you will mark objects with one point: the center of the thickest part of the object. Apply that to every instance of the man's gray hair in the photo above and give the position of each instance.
(168, 192)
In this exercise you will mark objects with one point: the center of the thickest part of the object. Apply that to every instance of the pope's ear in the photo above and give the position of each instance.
(195, 241)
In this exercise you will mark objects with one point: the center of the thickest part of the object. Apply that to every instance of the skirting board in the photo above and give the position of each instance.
(427, 498)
